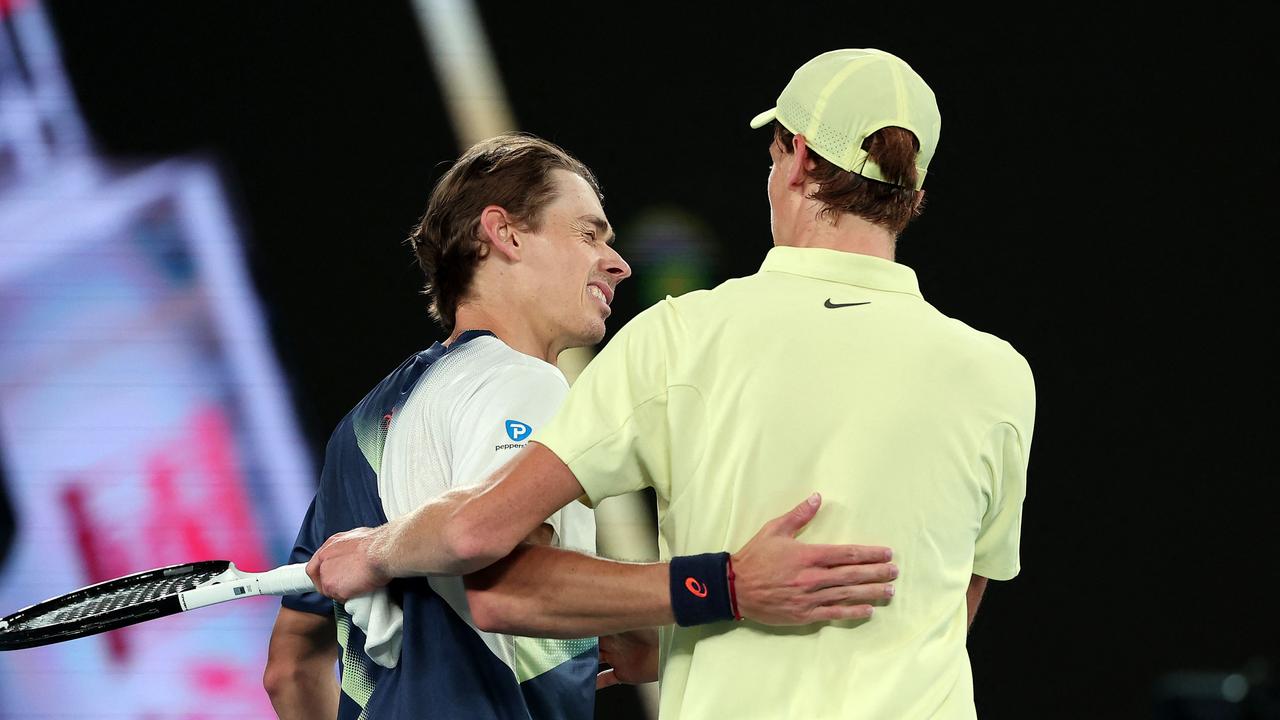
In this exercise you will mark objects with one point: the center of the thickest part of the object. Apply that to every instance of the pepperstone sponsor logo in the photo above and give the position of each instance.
(517, 430)
(508, 446)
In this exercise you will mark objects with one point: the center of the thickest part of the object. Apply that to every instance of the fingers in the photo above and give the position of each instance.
(868, 594)
(313, 571)
(795, 520)
(849, 575)
(313, 568)
(328, 582)
(606, 678)
(833, 555)
(324, 581)
(840, 612)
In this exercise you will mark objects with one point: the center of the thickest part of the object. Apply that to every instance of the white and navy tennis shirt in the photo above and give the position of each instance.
(446, 418)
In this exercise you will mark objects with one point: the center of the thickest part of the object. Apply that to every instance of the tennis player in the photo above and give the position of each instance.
(827, 367)
(517, 253)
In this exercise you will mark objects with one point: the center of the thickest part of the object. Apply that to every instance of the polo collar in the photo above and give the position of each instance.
(847, 268)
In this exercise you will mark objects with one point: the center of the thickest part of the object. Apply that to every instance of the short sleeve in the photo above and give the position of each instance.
(612, 430)
(498, 419)
(310, 537)
(1005, 457)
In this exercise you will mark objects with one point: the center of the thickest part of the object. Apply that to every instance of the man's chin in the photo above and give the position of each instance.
(593, 333)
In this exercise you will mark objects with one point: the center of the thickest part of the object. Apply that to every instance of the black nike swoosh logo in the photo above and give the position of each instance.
(830, 304)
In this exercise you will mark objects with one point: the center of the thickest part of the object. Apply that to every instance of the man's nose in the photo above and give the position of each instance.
(615, 265)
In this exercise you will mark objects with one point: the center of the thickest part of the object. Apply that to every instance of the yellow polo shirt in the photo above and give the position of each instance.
(825, 371)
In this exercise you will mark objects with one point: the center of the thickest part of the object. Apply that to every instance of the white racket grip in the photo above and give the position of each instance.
(286, 580)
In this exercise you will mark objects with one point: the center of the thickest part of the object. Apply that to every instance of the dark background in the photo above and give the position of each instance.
(1099, 199)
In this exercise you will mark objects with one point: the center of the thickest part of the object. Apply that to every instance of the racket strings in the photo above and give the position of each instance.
(119, 598)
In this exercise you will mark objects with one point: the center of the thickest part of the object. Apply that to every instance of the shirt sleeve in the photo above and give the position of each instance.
(996, 552)
(497, 421)
(612, 430)
(310, 536)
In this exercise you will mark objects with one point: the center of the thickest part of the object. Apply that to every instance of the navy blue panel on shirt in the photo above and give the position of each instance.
(567, 690)
(445, 669)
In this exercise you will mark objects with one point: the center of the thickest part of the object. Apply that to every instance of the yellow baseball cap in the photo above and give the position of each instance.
(839, 98)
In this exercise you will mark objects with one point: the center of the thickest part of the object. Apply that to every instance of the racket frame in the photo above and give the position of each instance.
(230, 583)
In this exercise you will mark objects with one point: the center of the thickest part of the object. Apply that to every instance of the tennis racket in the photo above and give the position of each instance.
(144, 596)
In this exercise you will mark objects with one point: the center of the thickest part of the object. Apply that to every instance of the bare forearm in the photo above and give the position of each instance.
(299, 677)
(306, 690)
(468, 529)
(549, 592)
(427, 541)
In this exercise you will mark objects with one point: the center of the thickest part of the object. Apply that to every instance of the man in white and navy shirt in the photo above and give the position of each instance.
(535, 279)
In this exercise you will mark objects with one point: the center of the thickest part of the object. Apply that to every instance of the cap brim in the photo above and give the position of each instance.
(763, 118)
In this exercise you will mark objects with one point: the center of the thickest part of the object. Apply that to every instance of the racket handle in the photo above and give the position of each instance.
(286, 580)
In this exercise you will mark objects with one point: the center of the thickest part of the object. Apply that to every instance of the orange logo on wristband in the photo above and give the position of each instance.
(695, 587)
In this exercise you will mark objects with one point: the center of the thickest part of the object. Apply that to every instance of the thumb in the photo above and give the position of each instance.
(799, 516)
(606, 678)
(313, 572)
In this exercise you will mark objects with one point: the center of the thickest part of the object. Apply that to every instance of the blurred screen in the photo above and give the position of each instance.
(143, 418)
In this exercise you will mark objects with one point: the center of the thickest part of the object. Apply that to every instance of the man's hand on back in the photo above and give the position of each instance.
(782, 581)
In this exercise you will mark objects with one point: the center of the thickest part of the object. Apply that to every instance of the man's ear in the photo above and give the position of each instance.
(802, 162)
(499, 231)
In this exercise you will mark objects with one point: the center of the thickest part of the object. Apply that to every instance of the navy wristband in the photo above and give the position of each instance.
(700, 589)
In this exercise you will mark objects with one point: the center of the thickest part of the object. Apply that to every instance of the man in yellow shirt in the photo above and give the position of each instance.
(827, 370)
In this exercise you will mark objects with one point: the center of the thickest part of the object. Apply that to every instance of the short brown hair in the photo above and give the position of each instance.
(512, 171)
(890, 206)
